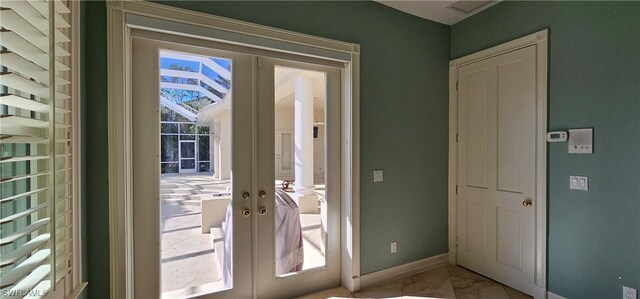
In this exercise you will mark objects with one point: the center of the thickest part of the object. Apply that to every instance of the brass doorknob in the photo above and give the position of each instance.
(246, 212)
(246, 195)
(262, 194)
(262, 211)
(527, 202)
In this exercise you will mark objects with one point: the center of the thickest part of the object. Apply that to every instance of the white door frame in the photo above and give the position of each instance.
(122, 16)
(539, 40)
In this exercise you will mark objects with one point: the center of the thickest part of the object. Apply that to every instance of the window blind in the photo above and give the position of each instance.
(35, 147)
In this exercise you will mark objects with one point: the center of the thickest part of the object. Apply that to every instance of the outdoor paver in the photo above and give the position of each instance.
(189, 263)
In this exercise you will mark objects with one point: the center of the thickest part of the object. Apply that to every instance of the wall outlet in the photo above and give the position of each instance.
(378, 175)
(629, 293)
(394, 248)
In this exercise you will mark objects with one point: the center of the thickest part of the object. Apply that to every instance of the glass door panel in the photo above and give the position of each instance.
(194, 241)
(299, 106)
(299, 220)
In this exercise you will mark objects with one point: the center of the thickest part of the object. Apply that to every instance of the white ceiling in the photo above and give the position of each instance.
(434, 10)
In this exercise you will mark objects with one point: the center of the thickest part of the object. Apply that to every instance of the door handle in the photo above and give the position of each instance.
(262, 194)
(246, 195)
(246, 212)
(527, 202)
(262, 211)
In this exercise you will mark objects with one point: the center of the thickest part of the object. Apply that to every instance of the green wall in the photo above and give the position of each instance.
(96, 175)
(404, 78)
(594, 81)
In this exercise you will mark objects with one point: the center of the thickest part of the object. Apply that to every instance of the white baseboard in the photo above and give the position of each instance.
(404, 270)
(554, 296)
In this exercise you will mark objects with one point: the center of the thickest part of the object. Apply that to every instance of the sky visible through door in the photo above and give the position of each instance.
(195, 147)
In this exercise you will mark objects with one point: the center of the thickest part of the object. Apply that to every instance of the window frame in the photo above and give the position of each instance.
(67, 284)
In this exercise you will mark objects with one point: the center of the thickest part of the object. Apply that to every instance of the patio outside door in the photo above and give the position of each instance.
(270, 240)
(187, 156)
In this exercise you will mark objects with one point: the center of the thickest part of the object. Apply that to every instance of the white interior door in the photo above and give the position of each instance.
(284, 155)
(298, 228)
(496, 167)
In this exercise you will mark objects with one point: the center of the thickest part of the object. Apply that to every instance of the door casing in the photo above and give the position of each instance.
(540, 41)
(122, 17)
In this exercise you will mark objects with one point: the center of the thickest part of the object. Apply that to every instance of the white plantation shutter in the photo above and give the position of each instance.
(36, 169)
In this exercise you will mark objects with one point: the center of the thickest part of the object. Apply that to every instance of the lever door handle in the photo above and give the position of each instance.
(527, 202)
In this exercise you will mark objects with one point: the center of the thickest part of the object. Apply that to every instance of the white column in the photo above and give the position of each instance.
(225, 145)
(303, 126)
(216, 149)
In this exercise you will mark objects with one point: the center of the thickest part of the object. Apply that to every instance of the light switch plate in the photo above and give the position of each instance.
(378, 176)
(581, 141)
(629, 293)
(579, 182)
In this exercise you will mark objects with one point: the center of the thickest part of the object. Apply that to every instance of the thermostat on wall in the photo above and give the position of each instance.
(557, 136)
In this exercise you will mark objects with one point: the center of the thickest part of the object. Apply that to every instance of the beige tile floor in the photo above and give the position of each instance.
(444, 282)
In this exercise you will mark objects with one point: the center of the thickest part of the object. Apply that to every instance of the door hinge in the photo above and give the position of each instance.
(456, 137)
(456, 189)
(457, 82)
(456, 241)
(258, 61)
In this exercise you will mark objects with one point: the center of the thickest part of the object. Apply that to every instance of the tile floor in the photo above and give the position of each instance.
(444, 282)
(185, 248)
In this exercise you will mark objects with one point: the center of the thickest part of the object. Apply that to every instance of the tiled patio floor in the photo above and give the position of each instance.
(185, 250)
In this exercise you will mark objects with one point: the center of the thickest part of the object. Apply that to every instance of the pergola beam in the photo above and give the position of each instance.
(224, 73)
(191, 87)
(194, 75)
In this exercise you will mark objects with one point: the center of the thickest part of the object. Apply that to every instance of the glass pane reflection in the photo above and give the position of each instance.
(300, 204)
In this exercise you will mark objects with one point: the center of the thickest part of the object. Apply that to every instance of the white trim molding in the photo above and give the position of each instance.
(122, 17)
(120, 164)
(540, 41)
(554, 296)
(405, 270)
(350, 227)
(76, 121)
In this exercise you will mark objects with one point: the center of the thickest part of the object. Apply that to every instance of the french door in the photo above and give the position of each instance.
(241, 232)
(303, 96)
